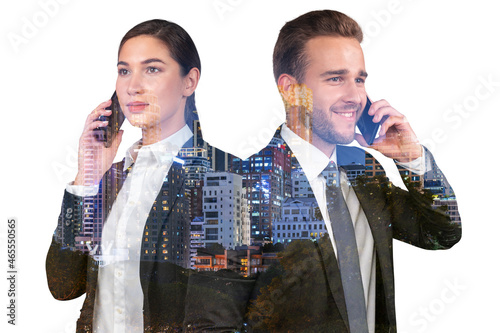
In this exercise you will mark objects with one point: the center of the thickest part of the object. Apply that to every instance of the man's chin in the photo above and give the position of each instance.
(336, 138)
(345, 141)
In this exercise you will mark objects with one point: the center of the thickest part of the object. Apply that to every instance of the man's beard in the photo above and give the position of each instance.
(324, 128)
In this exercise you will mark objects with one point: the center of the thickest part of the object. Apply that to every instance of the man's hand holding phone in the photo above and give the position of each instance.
(94, 159)
(396, 137)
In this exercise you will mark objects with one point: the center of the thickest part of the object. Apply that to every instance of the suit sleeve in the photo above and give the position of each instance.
(417, 220)
(66, 267)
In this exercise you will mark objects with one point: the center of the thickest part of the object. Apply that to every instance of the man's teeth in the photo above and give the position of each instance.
(347, 115)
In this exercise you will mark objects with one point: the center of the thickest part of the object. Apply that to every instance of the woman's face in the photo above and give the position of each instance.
(151, 90)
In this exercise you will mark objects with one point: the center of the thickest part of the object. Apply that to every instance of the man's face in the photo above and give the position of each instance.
(336, 75)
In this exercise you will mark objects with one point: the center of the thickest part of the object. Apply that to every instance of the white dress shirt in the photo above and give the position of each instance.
(119, 297)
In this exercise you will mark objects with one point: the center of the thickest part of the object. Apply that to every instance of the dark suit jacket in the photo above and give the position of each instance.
(175, 298)
(304, 292)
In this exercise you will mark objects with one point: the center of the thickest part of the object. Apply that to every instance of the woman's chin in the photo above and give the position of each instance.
(142, 121)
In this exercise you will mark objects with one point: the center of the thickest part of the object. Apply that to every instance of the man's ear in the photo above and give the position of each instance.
(191, 80)
(285, 86)
(294, 94)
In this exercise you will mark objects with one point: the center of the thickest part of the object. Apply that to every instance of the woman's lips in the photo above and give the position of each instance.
(137, 106)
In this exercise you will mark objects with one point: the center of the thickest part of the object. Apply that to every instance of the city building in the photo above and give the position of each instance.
(300, 185)
(225, 210)
(197, 237)
(373, 169)
(170, 241)
(300, 220)
(435, 181)
(451, 207)
(247, 260)
(267, 179)
(353, 171)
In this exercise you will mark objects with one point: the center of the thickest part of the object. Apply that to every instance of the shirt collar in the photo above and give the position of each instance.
(161, 150)
(312, 160)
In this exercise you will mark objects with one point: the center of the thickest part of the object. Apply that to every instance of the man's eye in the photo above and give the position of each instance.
(335, 79)
(122, 71)
(360, 80)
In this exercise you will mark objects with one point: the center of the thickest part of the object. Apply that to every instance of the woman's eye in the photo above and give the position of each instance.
(122, 71)
(152, 70)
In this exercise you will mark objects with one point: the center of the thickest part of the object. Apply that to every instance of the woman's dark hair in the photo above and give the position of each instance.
(182, 50)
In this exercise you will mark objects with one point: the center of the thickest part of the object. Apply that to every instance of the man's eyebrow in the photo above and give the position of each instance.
(334, 72)
(361, 73)
(144, 62)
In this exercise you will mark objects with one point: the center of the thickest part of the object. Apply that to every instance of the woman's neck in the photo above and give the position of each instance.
(158, 133)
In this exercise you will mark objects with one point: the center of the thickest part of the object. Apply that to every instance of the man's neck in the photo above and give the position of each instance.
(326, 148)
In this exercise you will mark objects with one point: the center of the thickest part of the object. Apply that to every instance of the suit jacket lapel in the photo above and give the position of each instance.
(332, 273)
(374, 205)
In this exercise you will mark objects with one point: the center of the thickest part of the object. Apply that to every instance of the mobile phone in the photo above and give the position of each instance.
(115, 120)
(366, 126)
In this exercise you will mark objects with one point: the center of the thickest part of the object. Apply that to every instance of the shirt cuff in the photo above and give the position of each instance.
(417, 166)
(82, 190)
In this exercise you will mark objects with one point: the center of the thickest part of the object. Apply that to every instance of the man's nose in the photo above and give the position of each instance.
(352, 93)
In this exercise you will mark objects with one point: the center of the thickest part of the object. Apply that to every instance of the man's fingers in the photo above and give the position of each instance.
(392, 121)
(382, 108)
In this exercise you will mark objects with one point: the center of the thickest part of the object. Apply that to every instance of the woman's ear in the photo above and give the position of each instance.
(191, 80)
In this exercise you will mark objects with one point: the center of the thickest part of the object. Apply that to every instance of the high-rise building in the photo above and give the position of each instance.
(169, 242)
(267, 179)
(225, 210)
(197, 237)
(435, 181)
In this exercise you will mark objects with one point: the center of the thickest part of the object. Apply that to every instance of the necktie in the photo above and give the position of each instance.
(347, 255)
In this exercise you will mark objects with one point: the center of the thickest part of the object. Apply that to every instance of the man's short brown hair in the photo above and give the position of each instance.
(289, 52)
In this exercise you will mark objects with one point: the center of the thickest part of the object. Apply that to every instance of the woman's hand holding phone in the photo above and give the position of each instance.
(94, 159)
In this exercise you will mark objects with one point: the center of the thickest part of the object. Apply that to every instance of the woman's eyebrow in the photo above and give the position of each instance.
(144, 62)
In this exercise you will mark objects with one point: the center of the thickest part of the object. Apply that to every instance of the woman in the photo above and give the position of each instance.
(125, 243)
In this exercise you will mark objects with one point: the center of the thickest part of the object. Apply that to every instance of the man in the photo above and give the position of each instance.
(343, 282)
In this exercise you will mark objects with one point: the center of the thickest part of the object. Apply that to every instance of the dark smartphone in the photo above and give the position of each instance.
(366, 125)
(115, 120)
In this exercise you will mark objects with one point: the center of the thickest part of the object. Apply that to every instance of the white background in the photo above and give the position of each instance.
(424, 57)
